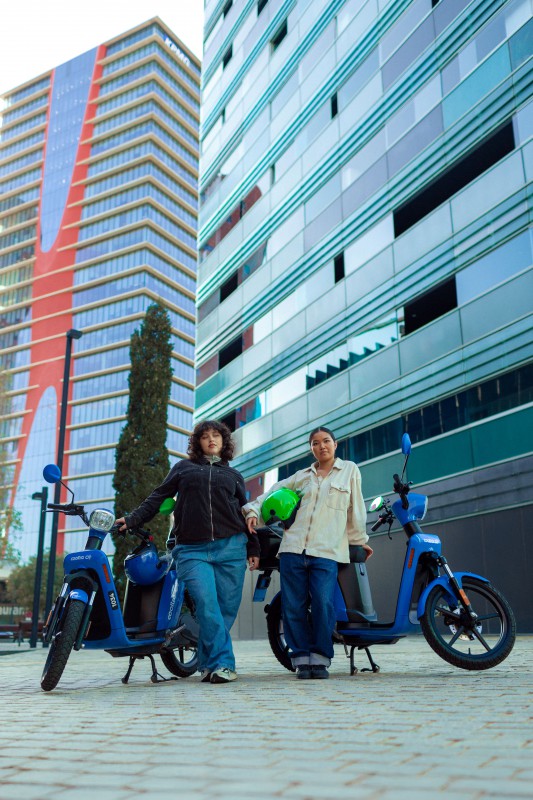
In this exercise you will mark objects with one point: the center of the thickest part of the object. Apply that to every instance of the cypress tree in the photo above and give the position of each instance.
(141, 459)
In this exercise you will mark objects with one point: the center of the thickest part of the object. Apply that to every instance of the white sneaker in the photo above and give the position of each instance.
(223, 675)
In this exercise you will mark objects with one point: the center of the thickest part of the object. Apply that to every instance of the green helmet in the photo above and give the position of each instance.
(280, 505)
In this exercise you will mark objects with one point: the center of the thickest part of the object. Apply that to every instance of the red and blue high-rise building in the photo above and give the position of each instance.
(98, 219)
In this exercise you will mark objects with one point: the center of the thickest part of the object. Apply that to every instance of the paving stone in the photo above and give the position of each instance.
(417, 729)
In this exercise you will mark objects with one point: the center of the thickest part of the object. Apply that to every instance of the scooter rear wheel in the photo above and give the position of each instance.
(469, 644)
(184, 666)
(62, 645)
(276, 636)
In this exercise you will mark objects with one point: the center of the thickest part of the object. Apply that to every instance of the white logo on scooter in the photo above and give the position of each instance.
(173, 594)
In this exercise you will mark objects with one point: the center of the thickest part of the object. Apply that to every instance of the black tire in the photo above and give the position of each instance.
(62, 645)
(276, 637)
(183, 666)
(470, 644)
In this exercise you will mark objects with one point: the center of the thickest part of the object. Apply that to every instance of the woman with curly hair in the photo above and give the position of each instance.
(212, 543)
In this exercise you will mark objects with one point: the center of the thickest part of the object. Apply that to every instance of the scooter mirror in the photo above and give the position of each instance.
(167, 506)
(406, 444)
(52, 473)
(376, 504)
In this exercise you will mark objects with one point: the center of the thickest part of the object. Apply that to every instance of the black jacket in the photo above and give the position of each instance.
(208, 504)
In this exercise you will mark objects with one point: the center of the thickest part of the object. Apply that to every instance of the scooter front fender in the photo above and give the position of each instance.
(444, 581)
(79, 594)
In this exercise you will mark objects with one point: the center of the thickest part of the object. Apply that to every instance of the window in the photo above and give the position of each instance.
(227, 56)
(230, 352)
(507, 391)
(229, 286)
(249, 266)
(260, 5)
(338, 267)
(230, 420)
(430, 305)
(466, 169)
(231, 220)
(279, 36)
(227, 6)
(334, 105)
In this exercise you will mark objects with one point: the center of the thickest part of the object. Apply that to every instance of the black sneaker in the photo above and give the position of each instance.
(319, 671)
(303, 672)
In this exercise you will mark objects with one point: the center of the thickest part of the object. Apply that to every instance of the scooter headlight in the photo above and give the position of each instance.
(101, 519)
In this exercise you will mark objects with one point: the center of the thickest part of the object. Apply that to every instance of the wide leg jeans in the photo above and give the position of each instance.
(213, 573)
(308, 580)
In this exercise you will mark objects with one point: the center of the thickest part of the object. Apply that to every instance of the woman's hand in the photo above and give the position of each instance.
(251, 524)
(369, 551)
(253, 563)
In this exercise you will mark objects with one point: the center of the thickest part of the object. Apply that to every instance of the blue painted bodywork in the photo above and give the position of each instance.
(416, 510)
(79, 594)
(444, 582)
(96, 564)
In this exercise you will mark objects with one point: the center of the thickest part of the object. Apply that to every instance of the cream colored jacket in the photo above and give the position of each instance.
(331, 516)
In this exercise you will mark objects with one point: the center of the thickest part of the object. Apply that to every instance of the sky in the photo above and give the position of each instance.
(36, 35)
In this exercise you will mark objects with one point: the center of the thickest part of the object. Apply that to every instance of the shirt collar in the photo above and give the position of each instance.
(337, 464)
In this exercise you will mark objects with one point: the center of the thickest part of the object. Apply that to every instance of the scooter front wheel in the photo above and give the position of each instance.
(469, 643)
(62, 645)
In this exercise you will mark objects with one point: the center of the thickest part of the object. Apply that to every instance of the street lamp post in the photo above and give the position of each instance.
(43, 497)
(71, 334)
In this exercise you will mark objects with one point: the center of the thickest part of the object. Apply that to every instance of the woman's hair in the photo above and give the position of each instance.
(195, 451)
(325, 430)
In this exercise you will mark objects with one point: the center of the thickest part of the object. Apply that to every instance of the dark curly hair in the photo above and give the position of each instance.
(195, 451)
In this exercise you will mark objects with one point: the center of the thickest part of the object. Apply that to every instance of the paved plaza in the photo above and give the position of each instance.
(417, 729)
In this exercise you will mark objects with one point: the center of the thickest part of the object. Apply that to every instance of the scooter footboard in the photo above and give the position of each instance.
(444, 581)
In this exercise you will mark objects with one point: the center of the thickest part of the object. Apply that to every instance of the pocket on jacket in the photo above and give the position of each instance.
(338, 498)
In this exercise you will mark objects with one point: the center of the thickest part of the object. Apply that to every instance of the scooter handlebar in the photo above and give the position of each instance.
(71, 509)
(402, 489)
(139, 532)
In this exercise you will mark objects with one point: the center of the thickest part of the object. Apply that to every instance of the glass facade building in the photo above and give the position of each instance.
(365, 257)
(98, 219)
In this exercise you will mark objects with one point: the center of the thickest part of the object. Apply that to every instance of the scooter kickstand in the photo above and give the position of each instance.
(353, 668)
(374, 666)
(126, 677)
(156, 677)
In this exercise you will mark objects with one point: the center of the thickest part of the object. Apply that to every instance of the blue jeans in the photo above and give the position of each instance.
(213, 573)
(305, 578)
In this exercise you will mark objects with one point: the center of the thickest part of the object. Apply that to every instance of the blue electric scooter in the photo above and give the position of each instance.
(464, 619)
(87, 613)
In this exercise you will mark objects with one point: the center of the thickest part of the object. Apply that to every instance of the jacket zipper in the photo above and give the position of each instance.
(211, 505)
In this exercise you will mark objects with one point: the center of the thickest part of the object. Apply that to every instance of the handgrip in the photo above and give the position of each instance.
(402, 489)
